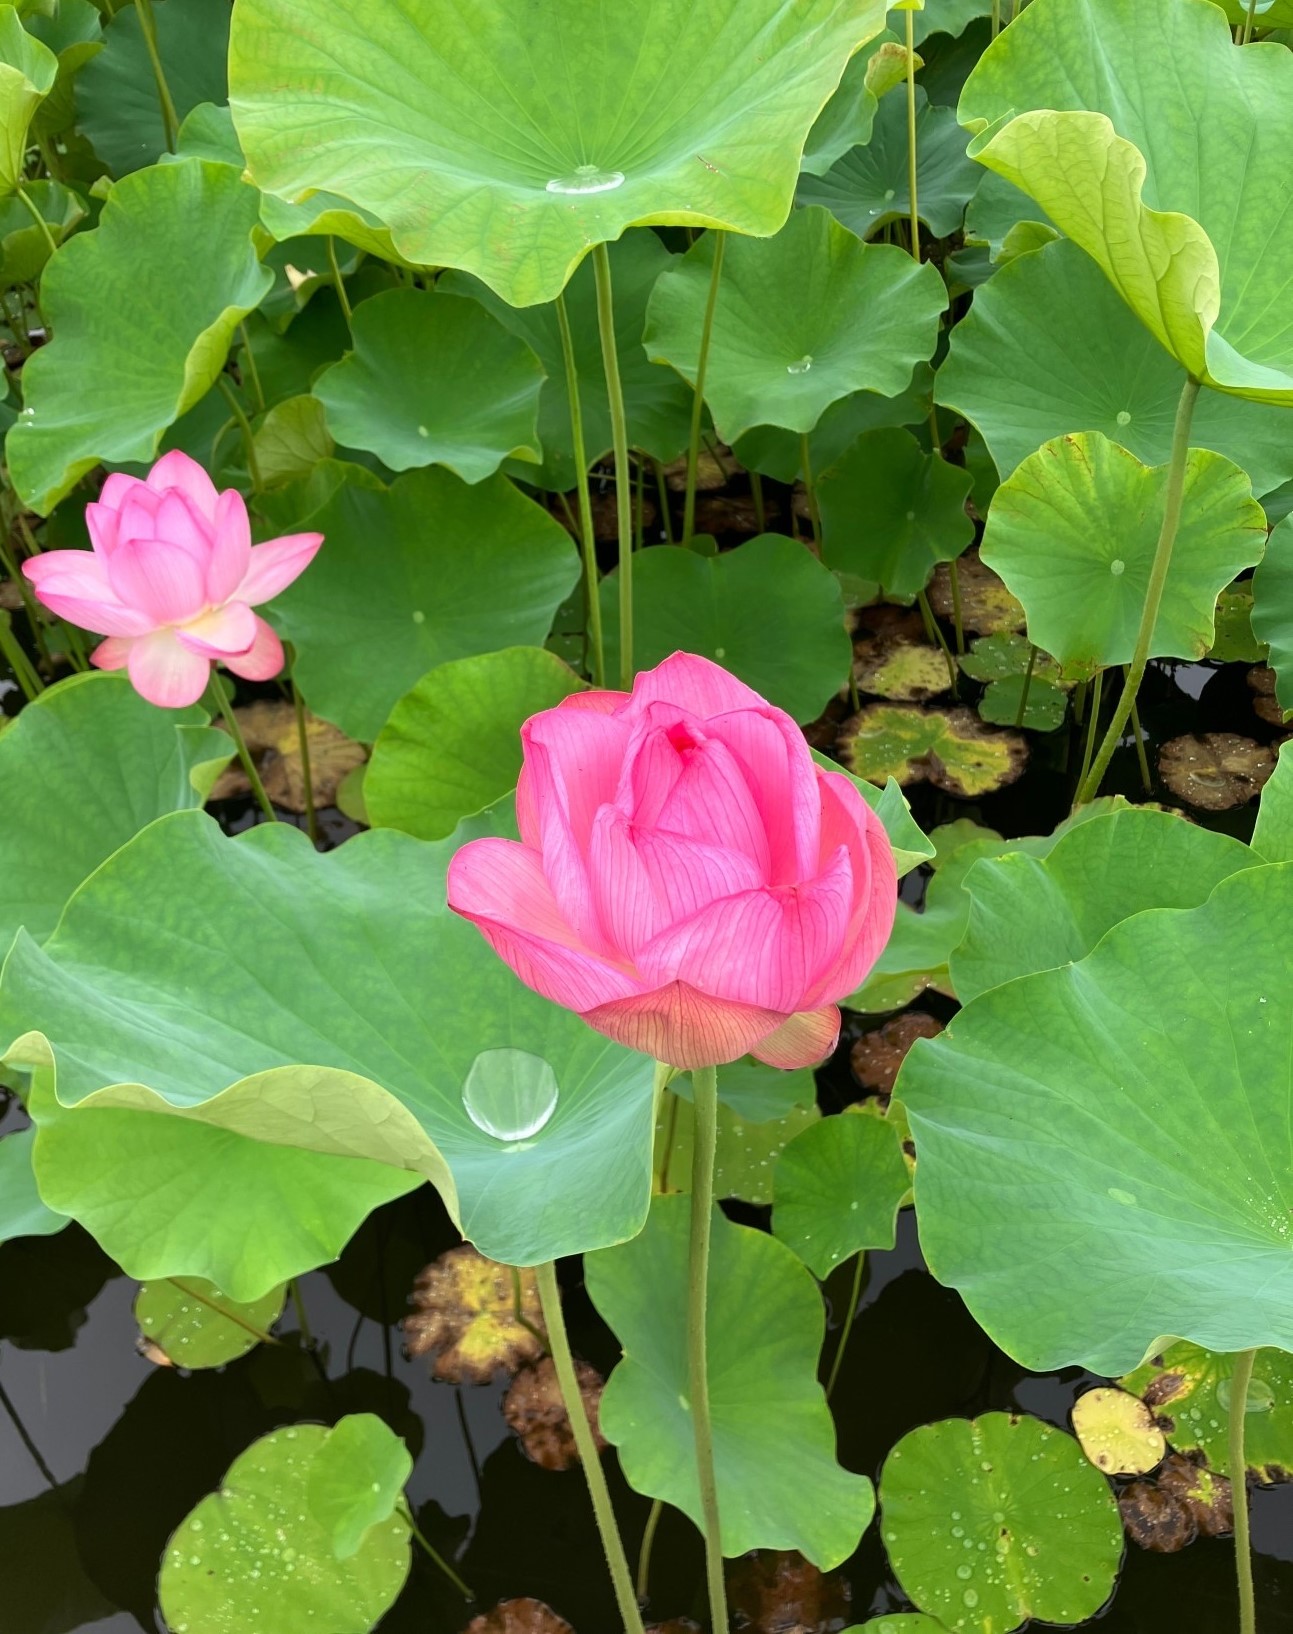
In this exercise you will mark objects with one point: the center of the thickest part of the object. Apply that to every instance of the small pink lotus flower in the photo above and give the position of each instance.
(688, 880)
(172, 580)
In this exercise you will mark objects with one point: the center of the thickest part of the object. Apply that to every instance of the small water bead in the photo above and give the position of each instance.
(419, 617)
(888, 194)
(1124, 419)
(1126, 1198)
(587, 179)
(970, 1599)
(802, 366)
(1117, 567)
(965, 1573)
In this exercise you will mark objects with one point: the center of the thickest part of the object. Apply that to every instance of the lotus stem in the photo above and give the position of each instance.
(704, 1086)
(303, 748)
(252, 372)
(244, 426)
(436, 1558)
(148, 28)
(760, 509)
(221, 695)
(1248, 22)
(1028, 681)
(936, 635)
(911, 132)
(850, 1316)
(1239, 1382)
(1136, 732)
(698, 400)
(648, 1543)
(620, 444)
(339, 284)
(810, 489)
(1172, 502)
(662, 494)
(587, 531)
(24, 672)
(958, 624)
(996, 18)
(29, 204)
(1092, 726)
(598, 1491)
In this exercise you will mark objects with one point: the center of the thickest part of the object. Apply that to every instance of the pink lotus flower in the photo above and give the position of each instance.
(687, 880)
(172, 580)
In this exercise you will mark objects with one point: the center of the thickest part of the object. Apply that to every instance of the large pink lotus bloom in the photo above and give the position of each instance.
(172, 580)
(687, 880)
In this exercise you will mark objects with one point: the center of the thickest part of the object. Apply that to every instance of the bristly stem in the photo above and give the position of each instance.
(996, 18)
(620, 444)
(644, 1551)
(244, 426)
(253, 373)
(704, 1089)
(698, 401)
(339, 283)
(911, 132)
(760, 508)
(303, 747)
(935, 634)
(810, 489)
(662, 494)
(1093, 725)
(587, 531)
(148, 28)
(432, 1553)
(1172, 503)
(598, 1491)
(240, 743)
(1240, 1379)
(850, 1316)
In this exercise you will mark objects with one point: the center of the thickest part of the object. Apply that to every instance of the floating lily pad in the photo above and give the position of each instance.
(1188, 1390)
(316, 1510)
(1117, 1432)
(900, 1622)
(1006, 656)
(802, 319)
(1043, 708)
(952, 749)
(1215, 771)
(992, 1521)
(756, 1092)
(779, 1486)
(987, 607)
(454, 139)
(270, 732)
(901, 671)
(1234, 641)
(1272, 616)
(747, 1153)
(523, 1615)
(367, 624)
(22, 1212)
(192, 1324)
(837, 1189)
(1165, 1515)
(536, 1413)
(1073, 534)
(776, 1589)
(768, 611)
(890, 512)
(468, 1317)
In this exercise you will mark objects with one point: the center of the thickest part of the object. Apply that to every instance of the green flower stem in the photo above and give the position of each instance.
(303, 745)
(29, 204)
(1028, 681)
(704, 1088)
(23, 672)
(850, 1316)
(1090, 785)
(810, 489)
(587, 531)
(564, 1362)
(760, 509)
(1239, 1382)
(1093, 725)
(240, 743)
(911, 132)
(244, 425)
(698, 400)
(251, 371)
(620, 444)
(339, 283)
(302, 1320)
(148, 28)
(1248, 22)
(996, 18)
(1147, 782)
(935, 634)
(436, 1558)
(662, 493)
(958, 624)
(648, 1543)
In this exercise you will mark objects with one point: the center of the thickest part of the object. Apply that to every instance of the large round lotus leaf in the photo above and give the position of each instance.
(500, 142)
(1272, 616)
(779, 1486)
(453, 746)
(73, 31)
(949, 748)
(990, 1522)
(656, 402)
(82, 769)
(192, 1324)
(869, 186)
(836, 1190)
(947, 17)
(304, 1530)
(1030, 913)
(890, 512)
(1188, 1389)
(22, 1212)
(1048, 348)
(1104, 1149)
(27, 73)
(413, 575)
(768, 611)
(116, 92)
(1196, 237)
(777, 453)
(802, 319)
(1073, 533)
(135, 346)
(343, 1009)
(434, 380)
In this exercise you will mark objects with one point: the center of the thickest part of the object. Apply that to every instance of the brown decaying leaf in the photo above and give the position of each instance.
(675, 1625)
(523, 1616)
(152, 1352)
(1261, 681)
(535, 1411)
(1185, 1502)
(986, 605)
(713, 470)
(269, 726)
(465, 1321)
(781, 1593)
(1215, 771)
(877, 1055)
(902, 670)
(732, 513)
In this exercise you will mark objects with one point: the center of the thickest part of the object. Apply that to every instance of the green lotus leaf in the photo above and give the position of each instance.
(1030, 913)
(1266, 13)
(951, 17)
(949, 748)
(301, 1047)
(1272, 616)
(1073, 533)
(900, 1622)
(747, 1151)
(1234, 641)
(445, 125)
(768, 611)
(777, 453)
(24, 249)
(452, 745)
(1005, 220)
(1189, 1388)
(317, 1510)
(1273, 831)
(369, 623)
(756, 1092)
(291, 440)
(27, 73)
(1079, 104)
(82, 769)
(1048, 348)
(434, 380)
(836, 1190)
(869, 186)
(73, 31)
(23, 1213)
(116, 92)
(1044, 706)
(1151, 1198)
(890, 512)
(193, 1324)
(802, 319)
(656, 402)
(1006, 655)
(847, 118)
(134, 346)
(779, 1486)
(990, 1522)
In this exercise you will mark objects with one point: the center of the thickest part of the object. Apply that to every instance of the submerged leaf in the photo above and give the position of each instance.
(901, 671)
(520, 1616)
(1215, 771)
(781, 1593)
(876, 1057)
(467, 1317)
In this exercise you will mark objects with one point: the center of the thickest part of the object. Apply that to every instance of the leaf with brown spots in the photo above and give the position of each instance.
(1215, 771)
(781, 1593)
(523, 1616)
(1117, 1432)
(465, 1318)
(1185, 1502)
(536, 1413)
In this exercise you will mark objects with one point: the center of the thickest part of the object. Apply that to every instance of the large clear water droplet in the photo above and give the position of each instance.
(802, 366)
(510, 1094)
(1261, 1398)
(587, 179)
